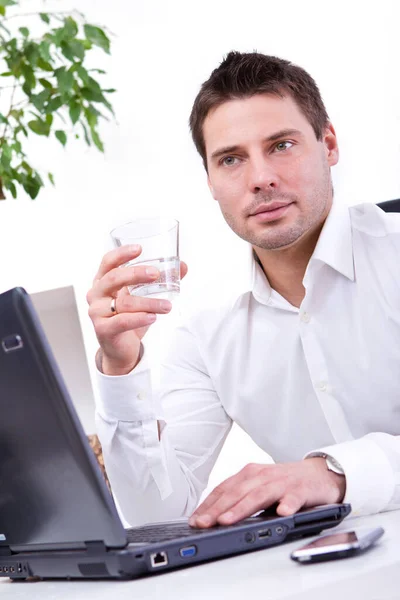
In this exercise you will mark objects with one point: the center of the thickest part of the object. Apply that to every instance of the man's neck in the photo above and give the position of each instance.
(285, 268)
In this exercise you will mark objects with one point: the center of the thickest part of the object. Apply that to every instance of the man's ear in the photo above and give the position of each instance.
(331, 145)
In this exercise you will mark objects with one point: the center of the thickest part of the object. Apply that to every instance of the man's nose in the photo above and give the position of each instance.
(261, 175)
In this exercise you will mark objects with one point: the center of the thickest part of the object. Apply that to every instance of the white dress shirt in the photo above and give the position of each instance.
(324, 377)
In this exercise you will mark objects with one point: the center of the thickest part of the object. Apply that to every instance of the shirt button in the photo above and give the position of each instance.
(322, 386)
(141, 396)
(305, 317)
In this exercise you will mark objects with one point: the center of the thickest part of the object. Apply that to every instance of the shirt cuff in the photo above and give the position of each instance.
(369, 476)
(127, 397)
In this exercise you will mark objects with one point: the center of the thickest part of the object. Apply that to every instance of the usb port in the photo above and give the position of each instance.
(264, 533)
(188, 552)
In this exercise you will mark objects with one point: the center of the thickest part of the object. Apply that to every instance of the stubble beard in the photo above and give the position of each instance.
(275, 235)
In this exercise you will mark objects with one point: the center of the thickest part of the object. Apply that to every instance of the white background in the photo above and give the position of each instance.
(162, 51)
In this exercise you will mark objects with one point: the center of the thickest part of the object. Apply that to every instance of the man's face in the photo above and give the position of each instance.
(262, 153)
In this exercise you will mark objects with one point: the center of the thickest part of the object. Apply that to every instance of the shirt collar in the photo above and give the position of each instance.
(334, 248)
(335, 244)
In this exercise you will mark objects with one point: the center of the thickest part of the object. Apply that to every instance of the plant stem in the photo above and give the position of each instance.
(37, 13)
(8, 114)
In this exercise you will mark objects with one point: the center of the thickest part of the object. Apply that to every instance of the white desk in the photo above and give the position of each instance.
(265, 575)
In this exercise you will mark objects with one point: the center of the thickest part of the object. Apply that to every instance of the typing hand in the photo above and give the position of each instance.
(291, 486)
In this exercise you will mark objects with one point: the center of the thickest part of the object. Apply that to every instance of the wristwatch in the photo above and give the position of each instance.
(331, 463)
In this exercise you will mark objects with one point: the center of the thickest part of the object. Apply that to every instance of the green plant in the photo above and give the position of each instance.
(48, 88)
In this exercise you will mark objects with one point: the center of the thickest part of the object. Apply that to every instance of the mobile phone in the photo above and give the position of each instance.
(337, 545)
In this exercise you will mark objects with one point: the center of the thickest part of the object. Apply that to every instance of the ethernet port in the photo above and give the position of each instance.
(160, 559)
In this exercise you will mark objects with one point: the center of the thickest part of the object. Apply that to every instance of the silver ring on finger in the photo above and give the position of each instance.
(113, 306)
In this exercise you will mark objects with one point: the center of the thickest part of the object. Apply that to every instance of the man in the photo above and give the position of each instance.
(307, 361)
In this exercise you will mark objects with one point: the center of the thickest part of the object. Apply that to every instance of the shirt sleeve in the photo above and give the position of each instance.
(371, 466)
(152, 479)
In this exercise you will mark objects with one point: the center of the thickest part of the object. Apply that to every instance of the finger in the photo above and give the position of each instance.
(117, 278)
(250, 471)
(226, 494)
(258, 498)
(123, 292)
(230, 483)
(117, 257)
(108, 328)
(290, 503)
(227, 501)
(125, 303)
(184, 269)
(215, 495)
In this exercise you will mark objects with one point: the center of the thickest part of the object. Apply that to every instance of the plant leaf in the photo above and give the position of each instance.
(31, 185)
(51, 178)
(32, 53)
(44, 51)
(39, 127)
(6, 156)
(85, 133)
(65, 80)
(70, 27)
(30, 80)
(10, 186)
(39, 100)
(91, 94)
(96, 140)
(45, 17)
(7, 3)
(27, 167)
(46, 84)
(91, 116)
(77, 49)
(74, 111)
(24, 31)
(17, 147)
(66, 50)
(61, 136)
(83, 74)
(54, 104)
(42, 64)
(97, 36)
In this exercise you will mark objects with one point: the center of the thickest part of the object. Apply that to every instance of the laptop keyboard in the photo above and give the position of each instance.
(162, 532)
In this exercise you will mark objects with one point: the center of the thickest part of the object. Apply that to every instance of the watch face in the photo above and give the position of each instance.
(333, 465)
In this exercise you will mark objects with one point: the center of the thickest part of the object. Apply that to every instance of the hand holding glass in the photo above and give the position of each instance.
(159, 239)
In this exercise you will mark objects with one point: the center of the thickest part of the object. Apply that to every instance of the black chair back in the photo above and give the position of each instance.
(390, 205)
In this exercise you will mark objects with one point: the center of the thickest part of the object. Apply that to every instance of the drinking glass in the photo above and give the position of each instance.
(159, 239)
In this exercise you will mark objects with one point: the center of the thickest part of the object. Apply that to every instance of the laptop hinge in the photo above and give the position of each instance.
(5, 551)
(96, 547)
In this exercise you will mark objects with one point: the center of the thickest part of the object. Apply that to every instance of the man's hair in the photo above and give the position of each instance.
(242, 75)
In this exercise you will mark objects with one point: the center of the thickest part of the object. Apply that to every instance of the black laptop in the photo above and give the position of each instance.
(57, 517)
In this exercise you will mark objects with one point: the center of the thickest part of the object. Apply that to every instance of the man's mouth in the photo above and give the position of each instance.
(271, 211)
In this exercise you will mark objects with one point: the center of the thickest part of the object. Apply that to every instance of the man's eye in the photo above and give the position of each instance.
(228, 161)
(279, 146)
